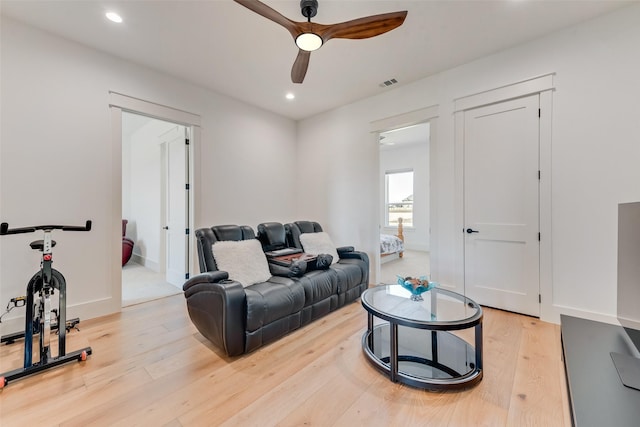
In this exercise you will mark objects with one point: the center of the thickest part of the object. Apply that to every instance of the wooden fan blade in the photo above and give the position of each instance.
(299, 69)
(363, 28)
(271, 14)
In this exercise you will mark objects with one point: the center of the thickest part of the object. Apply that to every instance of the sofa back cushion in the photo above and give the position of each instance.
(244, 260)
(206, 237)
(272, 235)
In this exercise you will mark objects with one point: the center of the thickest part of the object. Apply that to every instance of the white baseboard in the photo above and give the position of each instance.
(84, 311)
(389, 257)
(146, 262)
(554, 317)
(416, 247)
(12, 325)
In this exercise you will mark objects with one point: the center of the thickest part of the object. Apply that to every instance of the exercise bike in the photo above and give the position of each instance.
(38, 317)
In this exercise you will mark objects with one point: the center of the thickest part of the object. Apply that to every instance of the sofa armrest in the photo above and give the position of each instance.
(364, 265)
(208, 277)
(354, 254)
(216, 307)
(295, 269)
(344, 249)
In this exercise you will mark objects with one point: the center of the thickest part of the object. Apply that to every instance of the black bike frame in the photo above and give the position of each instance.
(43, 284)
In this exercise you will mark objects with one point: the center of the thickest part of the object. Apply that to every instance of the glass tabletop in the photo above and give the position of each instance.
(440, 309)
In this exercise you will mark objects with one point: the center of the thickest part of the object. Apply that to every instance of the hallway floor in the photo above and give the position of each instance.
(140, 284)
(413, 263)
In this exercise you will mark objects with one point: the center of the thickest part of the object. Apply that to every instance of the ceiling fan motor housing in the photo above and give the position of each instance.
(309, 8)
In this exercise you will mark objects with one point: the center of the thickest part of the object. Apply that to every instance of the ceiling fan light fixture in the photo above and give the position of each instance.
(310, 36)
(309, 41)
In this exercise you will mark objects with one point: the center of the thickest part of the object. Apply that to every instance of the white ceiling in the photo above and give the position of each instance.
(403, 137)
(223, 46)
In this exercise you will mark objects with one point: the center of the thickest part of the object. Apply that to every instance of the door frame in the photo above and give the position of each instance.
(119, 103)
(427, 114)
(543, 86)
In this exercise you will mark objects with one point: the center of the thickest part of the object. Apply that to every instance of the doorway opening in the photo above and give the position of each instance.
(405, 202)
(155, 206)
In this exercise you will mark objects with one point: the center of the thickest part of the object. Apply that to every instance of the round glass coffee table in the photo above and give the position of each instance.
(412, 342)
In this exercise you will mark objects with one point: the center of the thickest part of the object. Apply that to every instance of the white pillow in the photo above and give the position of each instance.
(243, 260)
(319, 243)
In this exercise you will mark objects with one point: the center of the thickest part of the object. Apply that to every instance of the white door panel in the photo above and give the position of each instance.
(176, 209)
(501, 205)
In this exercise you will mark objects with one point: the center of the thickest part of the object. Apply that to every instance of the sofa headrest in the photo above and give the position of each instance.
(272, 235)
(233, 232)
(208, 236)
(308, 226)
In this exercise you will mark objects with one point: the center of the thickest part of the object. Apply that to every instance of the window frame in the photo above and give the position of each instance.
(386, 195)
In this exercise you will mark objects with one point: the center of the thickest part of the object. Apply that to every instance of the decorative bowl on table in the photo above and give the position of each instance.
(416, 285)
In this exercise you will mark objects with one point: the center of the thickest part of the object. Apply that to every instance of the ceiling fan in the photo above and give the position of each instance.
(310, 36)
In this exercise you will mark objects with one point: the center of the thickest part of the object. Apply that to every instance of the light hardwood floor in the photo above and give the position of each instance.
(150, 367)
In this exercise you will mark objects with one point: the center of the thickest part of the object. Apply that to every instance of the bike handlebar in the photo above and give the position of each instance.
(4, 228)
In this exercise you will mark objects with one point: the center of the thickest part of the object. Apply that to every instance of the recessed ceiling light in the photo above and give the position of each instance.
(112, 16)
(290, 96)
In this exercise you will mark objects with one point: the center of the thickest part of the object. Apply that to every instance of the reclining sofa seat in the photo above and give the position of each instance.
(320, 285)
(352, 268)
(235, 318)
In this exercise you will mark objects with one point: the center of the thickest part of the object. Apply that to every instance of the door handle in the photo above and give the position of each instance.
(166, 227)
(469, 230)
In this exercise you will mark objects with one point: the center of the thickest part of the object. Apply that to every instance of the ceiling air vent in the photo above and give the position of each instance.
(388, 83)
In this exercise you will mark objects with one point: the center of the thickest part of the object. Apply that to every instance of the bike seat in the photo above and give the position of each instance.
(39, 244)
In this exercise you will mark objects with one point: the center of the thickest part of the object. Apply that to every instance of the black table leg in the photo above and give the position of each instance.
(393, 359)
(479, 346)
(370, 329)
(434, 346)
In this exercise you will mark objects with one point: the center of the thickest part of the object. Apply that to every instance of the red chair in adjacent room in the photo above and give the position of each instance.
(127, 244)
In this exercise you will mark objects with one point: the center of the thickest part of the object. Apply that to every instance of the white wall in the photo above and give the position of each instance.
(57, 162)
(595, 154)
(415, 157)
(57, 165)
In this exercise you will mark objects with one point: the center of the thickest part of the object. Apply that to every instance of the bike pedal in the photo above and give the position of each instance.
(73, 324)
(18, 301)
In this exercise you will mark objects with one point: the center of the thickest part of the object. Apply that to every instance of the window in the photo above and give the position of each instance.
(399, 197)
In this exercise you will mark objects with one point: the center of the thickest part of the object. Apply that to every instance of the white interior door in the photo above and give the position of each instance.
(501, 192)
(176, 207)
